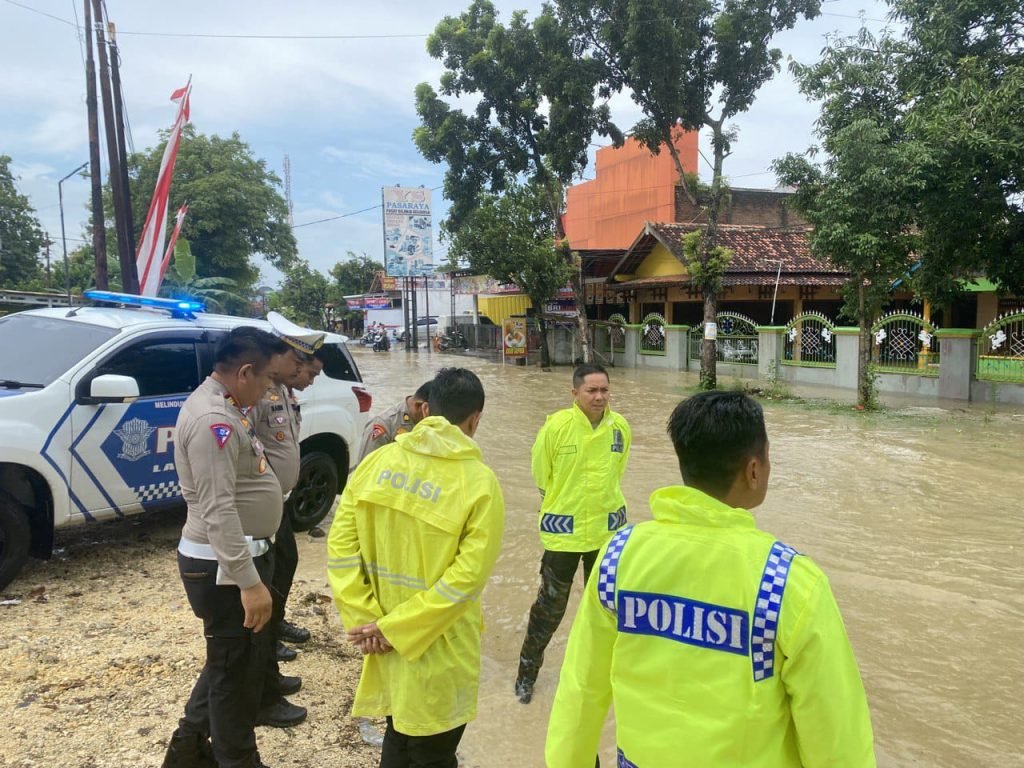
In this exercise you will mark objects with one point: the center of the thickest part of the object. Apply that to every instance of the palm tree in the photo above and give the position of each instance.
(181, 282)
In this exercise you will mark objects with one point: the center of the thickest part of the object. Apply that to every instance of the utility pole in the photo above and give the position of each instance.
(129, 283)
(99, 233)
(122, 146)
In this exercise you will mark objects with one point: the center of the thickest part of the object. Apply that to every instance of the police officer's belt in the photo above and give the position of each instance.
(194, 549)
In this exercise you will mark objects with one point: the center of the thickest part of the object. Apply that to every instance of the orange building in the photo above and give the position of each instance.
(630, 188)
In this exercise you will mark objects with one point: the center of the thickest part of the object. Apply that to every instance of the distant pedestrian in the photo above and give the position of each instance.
(720, 645)
(579, 458)
(416, 536)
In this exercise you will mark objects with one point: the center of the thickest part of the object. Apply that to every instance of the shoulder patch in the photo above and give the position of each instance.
(221, 433)
(378, 432)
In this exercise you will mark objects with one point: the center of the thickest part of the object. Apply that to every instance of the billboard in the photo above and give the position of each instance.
(514, 334)
(408, 242)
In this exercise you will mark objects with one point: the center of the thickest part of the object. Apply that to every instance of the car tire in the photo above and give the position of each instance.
(15, 539)
(315, 492)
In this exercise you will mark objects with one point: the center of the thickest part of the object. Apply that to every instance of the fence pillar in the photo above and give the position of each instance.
(958, 351)
(769, 351)
(847, 354)
(632, 333)
(677, 337)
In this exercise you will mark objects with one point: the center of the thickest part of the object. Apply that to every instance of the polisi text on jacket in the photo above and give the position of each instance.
(414, 485)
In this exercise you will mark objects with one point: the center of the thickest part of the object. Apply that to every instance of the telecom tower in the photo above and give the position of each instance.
(288, 189)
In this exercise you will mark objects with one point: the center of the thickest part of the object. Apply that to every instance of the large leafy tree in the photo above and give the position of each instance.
(689, 64)
(236, 210)
(355, 274)
(962, 79)
(304, 295)
(511, 237)
(535, 113)
(21, 237)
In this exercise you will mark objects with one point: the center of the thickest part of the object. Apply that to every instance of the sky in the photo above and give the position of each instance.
(342, 109)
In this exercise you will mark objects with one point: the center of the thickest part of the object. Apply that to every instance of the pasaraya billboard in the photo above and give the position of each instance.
(408, 243)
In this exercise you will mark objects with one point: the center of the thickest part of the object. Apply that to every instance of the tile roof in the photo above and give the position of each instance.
(757, 252)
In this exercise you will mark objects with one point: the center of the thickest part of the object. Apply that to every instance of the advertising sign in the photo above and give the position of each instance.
(514, 334)
(408, 241)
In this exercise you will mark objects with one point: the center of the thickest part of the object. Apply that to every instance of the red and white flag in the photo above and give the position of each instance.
(151, 245)
(178, 221)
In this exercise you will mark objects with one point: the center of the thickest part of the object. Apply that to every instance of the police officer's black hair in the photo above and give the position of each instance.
(456, 394)
(423, 393)
(715, 434)
(247, 344)
(582, 371)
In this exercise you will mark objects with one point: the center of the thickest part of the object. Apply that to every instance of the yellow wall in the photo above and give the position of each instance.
(660, 263)
(500, 308)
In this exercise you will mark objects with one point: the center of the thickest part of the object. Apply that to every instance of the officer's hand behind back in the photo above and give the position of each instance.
(258, 605)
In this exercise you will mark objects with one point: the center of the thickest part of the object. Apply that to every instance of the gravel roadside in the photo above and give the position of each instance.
(99, 650)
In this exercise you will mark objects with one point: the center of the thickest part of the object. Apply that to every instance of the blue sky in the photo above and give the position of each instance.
(342, 109)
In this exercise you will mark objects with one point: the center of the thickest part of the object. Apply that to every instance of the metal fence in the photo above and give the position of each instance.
(482, 336)
(737, 339)
(810, 341)
(652, 335)
(617, 332)
(905, 343)
(1001, 349)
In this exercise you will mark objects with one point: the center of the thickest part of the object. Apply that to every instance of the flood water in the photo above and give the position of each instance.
(915, 514)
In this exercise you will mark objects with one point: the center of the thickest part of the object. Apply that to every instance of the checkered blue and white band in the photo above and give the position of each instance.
(609, 567)
(767, 609)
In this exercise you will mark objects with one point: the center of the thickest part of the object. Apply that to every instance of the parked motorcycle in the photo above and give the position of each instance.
(453, 339)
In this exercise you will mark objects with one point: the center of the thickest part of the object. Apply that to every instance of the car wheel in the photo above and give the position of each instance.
(15, 538)
(315, 492)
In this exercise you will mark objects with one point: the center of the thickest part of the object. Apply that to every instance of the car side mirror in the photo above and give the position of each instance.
(111, 388)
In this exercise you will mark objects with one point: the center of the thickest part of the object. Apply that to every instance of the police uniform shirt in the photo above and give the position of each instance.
(226, 480)
(277, 422)
(382, 430)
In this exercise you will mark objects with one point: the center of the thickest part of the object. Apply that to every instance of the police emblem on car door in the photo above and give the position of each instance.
(123, 452)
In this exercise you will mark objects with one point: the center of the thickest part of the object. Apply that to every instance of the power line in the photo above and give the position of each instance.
(44, 13)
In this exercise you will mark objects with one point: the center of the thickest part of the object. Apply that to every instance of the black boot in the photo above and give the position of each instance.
(188, 749)
(280, 714)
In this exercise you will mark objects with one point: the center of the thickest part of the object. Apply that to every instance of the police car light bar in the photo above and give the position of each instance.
(174, 306)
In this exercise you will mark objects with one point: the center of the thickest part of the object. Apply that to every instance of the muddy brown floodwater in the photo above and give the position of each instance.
(914, 513)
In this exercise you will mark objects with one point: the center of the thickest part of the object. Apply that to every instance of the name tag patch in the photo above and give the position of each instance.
(705, 625)
(618, 443)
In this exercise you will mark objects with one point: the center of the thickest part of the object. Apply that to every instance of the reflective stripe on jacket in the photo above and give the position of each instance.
(414, 540)
(578, 469)
(719, 646)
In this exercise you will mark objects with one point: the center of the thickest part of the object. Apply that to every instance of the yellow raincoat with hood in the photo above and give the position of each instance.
(415, 537)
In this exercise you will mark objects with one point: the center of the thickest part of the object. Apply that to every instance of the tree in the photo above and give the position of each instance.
(534, 118)
(182, 282)
(21, 237)
(681, 60)
(304, 295)
(861, 201)
(236, 210)
(511, 237)
(355, 274)
(961, 77)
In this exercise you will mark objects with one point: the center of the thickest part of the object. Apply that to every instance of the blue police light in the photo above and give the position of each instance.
(174, 306)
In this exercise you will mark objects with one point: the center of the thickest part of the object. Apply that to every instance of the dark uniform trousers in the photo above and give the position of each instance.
(434, 751)
(286, 561)
(227, 695)
(557, 570)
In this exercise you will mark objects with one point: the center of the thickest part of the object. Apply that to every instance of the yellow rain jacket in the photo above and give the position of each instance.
(578, 469)
(413, 543)
(719, 646)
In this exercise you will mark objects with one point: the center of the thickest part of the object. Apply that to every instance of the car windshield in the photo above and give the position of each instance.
(35, 351)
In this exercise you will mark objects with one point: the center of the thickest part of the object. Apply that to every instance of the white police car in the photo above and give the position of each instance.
(88, 402)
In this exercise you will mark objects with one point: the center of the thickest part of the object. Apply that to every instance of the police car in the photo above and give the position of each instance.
(88, 402)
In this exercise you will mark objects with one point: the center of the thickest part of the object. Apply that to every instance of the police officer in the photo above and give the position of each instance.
(382, 430)
(578, 460)
(224, 556)
(720, 645)
(278, 421)
(417, 534)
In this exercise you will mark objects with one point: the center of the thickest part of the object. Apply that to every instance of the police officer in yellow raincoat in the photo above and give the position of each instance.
(578, 460)
(719, 645)
(416, 535)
